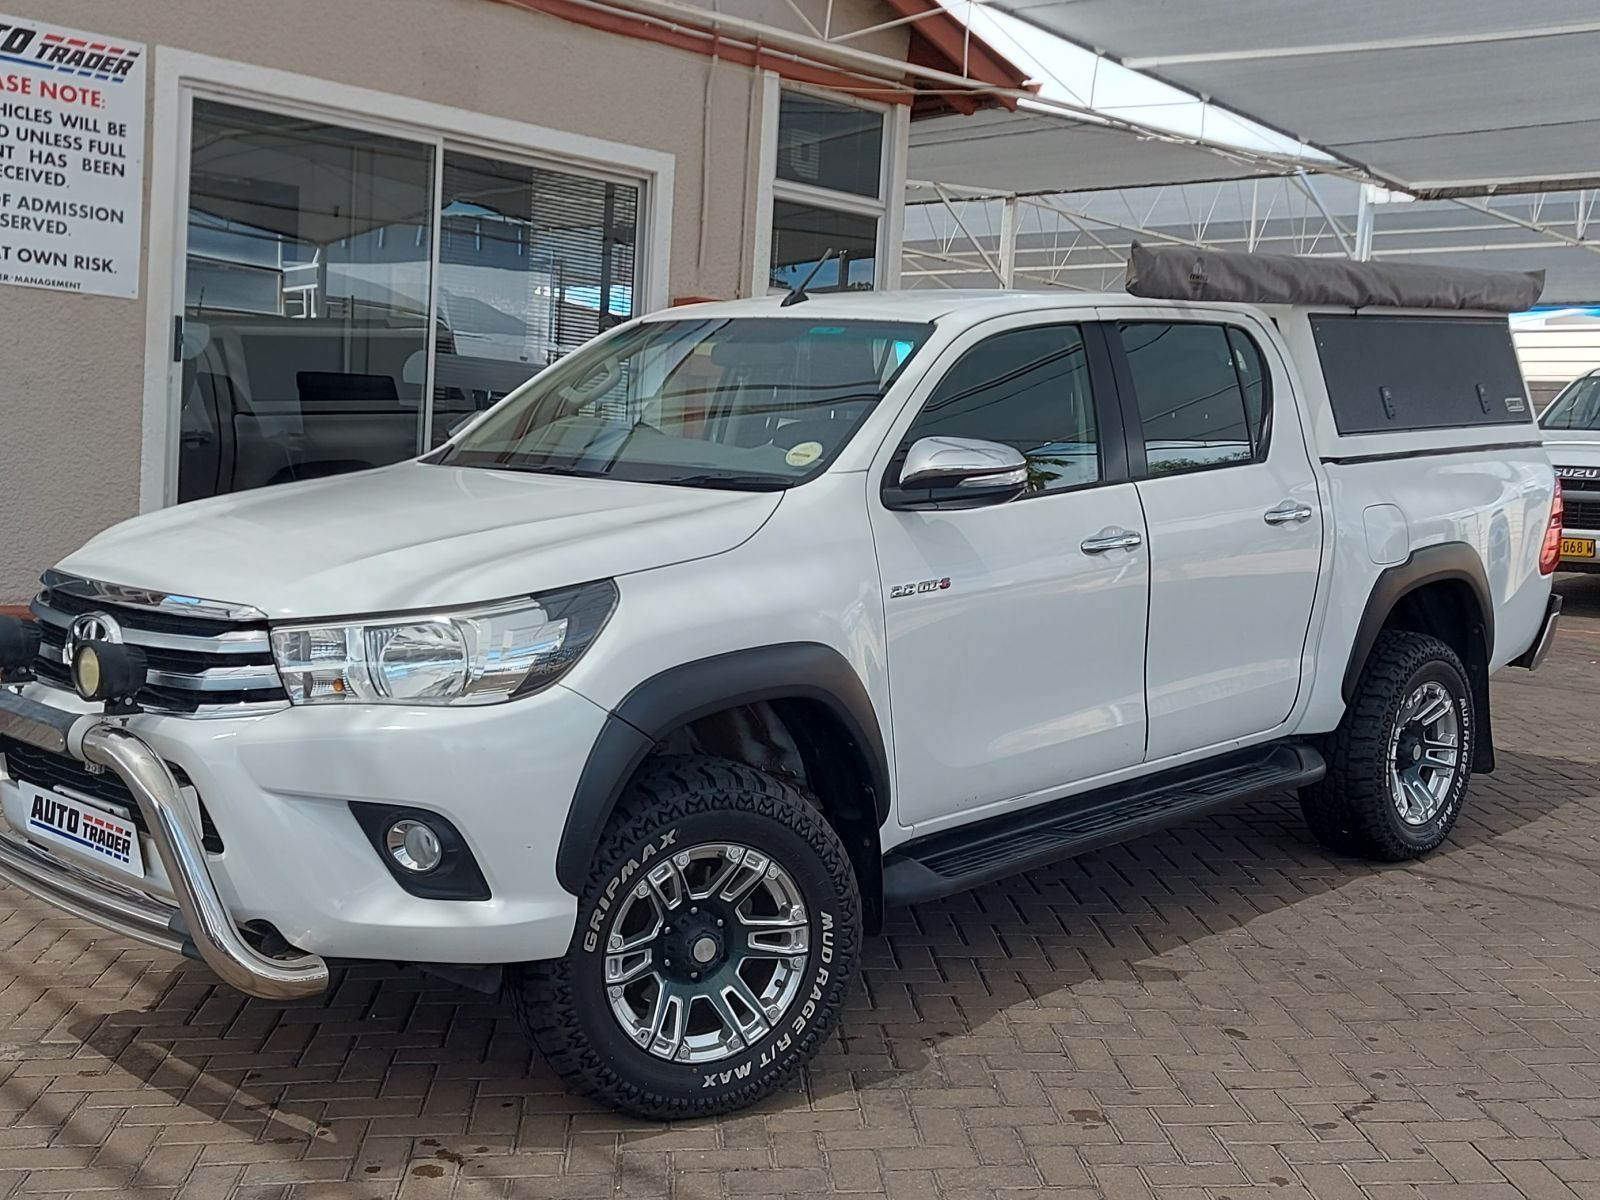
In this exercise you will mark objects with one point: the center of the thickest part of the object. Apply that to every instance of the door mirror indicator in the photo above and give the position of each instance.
(957, 472)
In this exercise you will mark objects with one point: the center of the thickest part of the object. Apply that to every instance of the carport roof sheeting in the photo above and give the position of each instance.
(1022, 152)
(1438, 97)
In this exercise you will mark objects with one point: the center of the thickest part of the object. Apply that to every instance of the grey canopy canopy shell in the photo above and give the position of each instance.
(1187, 273)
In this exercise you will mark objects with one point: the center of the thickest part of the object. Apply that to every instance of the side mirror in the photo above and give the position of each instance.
(953, 472)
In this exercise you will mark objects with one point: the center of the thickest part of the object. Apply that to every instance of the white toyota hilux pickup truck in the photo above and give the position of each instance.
(644, 696)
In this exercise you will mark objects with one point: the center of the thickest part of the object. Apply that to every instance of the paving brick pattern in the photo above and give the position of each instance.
(1216, 1013)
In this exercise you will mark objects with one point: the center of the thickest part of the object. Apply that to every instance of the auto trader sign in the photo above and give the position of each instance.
(71, 158)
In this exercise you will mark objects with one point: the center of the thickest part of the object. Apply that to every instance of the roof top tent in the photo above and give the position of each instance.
(1183, 273)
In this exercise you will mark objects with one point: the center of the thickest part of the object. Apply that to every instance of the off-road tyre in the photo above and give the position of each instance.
(674, 803)
(1352, 810)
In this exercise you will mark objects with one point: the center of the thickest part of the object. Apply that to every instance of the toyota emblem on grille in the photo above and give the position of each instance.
(91, 627)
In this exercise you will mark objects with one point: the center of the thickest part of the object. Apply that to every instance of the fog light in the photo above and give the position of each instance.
(423, 851)
(107, 671)
(414, 846)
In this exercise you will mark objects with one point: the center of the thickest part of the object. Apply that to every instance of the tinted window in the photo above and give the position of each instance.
(749, 403)
(1028, 389)
(1257, 385)
(1576, 408)
(1389, 374)
(1198, 407)
(829, 145)
(803, 233)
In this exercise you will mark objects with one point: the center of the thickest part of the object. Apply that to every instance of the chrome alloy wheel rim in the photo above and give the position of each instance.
(1424, 754)
(706, 955)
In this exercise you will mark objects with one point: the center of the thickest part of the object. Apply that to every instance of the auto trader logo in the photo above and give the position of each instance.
(70, 55)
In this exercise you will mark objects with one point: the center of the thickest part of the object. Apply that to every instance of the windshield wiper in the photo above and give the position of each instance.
(737, 483)
(524, 468)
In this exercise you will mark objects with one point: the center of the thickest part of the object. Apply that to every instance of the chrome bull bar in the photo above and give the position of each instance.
(103, 742)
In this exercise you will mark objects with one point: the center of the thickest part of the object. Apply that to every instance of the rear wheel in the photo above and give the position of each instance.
(1400, 761)
(717, 938)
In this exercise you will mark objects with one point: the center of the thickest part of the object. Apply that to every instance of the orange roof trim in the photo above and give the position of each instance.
(946, 43)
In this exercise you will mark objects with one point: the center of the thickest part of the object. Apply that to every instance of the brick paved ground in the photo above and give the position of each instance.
(1220, 1012)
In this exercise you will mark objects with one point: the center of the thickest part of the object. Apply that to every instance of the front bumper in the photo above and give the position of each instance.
(204, 918)
(278, 789)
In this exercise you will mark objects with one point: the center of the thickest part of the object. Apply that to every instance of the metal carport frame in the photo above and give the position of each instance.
(1440, 98)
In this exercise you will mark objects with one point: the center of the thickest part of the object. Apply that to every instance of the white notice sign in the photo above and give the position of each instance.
(71, 158)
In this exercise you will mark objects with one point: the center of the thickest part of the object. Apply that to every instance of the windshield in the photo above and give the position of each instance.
(1576, 408)
(754, 402)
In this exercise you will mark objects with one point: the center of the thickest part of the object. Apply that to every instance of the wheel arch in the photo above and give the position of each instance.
(1440, 590)
(808, 672)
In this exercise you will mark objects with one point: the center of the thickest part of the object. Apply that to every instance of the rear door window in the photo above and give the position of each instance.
(1202, 394)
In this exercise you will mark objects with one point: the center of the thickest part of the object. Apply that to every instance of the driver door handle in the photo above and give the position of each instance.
(1111, 539)
(1287, 513)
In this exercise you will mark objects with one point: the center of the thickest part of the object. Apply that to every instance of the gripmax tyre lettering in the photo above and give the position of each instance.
(1401, 759)
(717, 937)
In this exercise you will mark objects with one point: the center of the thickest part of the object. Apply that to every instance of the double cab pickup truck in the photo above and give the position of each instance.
(645, 695)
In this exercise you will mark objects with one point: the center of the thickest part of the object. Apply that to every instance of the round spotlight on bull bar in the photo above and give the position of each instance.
(109, 672)
(414, 846)
(19, 644)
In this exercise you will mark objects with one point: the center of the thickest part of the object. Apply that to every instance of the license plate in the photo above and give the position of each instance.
(60, 820)
(1577, 547)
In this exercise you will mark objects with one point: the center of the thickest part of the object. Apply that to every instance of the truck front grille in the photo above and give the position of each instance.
(29, 764)
(206, 659)
(1582, 514)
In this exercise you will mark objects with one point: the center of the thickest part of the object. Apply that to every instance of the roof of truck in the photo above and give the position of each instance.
(914, 305)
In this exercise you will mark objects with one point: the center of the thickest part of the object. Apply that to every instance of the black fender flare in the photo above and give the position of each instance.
(685, 693)
(1443, 562)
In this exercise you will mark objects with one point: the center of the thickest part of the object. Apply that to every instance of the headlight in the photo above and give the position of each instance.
(476, 656)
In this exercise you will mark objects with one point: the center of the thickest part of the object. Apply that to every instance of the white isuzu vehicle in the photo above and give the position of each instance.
(644, 696)
(1571, 428)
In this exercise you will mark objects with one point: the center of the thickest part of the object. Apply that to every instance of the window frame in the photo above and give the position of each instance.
(772, 188)
(1110, 419)
(1133, 417)
(181, 77)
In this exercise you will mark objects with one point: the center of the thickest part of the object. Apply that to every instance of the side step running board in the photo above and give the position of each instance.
(954, 860)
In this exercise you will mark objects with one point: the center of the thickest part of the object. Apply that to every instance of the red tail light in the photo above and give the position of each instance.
(1550, 555)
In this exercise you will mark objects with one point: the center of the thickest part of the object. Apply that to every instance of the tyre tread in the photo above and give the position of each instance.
(1347, 809)
(664, 790)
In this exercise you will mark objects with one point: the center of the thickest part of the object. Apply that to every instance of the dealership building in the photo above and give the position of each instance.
(246, 243)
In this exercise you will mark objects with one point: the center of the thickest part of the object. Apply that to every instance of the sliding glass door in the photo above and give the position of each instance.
(532, 262)
(350, 296)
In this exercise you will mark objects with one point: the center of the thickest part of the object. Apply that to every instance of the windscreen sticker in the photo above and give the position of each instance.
(804, 454)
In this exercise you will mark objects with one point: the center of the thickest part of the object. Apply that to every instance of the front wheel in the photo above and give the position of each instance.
(717, 937)
(1400, 761)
